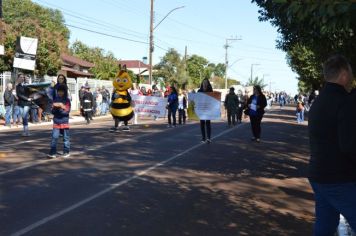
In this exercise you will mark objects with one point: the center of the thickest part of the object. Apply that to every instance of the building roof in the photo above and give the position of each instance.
(72, 60)
(133, 64)
(76, 72)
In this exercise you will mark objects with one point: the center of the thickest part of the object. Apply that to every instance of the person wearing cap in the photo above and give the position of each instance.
(60, 110)
(231, 104)
(87, 103)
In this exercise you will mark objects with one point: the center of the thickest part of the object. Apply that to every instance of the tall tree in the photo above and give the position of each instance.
(106, 65)
(321, 27)
(25, 18)
(172, 69)
(196, 67)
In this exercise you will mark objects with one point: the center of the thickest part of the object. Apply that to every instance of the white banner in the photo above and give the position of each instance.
(149, 105)
(204, 106)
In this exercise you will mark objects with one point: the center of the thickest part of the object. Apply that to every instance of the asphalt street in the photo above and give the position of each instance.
(156, 180)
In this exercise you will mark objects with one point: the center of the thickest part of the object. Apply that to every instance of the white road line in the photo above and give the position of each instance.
(112, 187)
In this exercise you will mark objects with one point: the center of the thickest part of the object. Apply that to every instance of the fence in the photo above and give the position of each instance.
(74, 85)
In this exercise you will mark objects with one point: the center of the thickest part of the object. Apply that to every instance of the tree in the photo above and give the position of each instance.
(172, 69)
(25, 18)
(320, 27)
(256, 81)
(196, 69)
(106, 65)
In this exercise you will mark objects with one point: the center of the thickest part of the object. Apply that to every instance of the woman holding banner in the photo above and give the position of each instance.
(256, 108)
(205, 87)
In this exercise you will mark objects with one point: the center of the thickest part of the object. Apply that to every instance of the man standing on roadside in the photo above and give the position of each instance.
(332, 166)
(9, 100)
(24, 102)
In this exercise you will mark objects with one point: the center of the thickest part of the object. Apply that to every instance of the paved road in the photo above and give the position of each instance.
(158, 181)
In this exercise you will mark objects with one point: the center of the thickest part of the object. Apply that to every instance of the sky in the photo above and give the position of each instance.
(202, 26)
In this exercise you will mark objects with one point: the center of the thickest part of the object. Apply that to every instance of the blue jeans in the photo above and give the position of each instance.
(300, 116)
(34, 115)
(17, 114)
(24, 114)
(331, 200)
(8, 115)
(66, 142)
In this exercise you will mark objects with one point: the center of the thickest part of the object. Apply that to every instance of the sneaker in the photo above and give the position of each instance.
(126, 128)
(208, 140)
(52, 156)
(169, 126)
(25, 134)
(203, 140)
(258, 140)
(253, 139)
(112, 130)
(66, 155)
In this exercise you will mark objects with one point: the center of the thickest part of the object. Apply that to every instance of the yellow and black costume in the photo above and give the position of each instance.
(121, 108)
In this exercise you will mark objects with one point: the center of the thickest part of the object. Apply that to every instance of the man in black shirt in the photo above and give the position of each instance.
(24, 102)
(332, 166)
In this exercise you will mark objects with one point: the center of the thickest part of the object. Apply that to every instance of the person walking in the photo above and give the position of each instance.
(24, 102)
(255, 110)
(332, 164)
(172, 107)
(205, 125)
(182, 107)
(9, 100)
(300, 110)
(60, 110)
(231, 104)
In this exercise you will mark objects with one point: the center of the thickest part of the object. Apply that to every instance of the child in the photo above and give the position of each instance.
(60, 110)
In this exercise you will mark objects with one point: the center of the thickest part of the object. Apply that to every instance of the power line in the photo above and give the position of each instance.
(94, 20)
(109, 35)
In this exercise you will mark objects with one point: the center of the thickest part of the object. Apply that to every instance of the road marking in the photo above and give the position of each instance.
(113, 187)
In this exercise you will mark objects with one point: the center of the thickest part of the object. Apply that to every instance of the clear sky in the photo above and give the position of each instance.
(203, 26)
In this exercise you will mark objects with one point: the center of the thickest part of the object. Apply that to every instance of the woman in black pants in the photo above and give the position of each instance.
(256, 105)
(205, 124)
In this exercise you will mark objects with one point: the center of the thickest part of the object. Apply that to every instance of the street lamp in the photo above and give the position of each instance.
(151, 37)
(252, 70)
(226, 46)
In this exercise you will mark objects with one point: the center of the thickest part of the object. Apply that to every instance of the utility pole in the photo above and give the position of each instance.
(1, 25)
(151, 44)
(226, 46)
(152, 28)
(2, 31)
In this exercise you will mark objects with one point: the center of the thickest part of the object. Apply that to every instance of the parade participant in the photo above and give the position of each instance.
(87, 104)
(9, 100)
(256, 105)
(205, 124)
(182, 106)
(60, 110)
(24, 102)
(121, 108)
(172, 107)
(61, 79)
(231, 104)
(300, 110)
(332, 165)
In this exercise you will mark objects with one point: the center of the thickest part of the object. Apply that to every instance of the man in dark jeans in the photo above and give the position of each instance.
(332, 166)
(23, 93)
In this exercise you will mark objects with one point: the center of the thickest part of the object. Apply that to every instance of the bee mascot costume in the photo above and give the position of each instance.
(121, 109)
